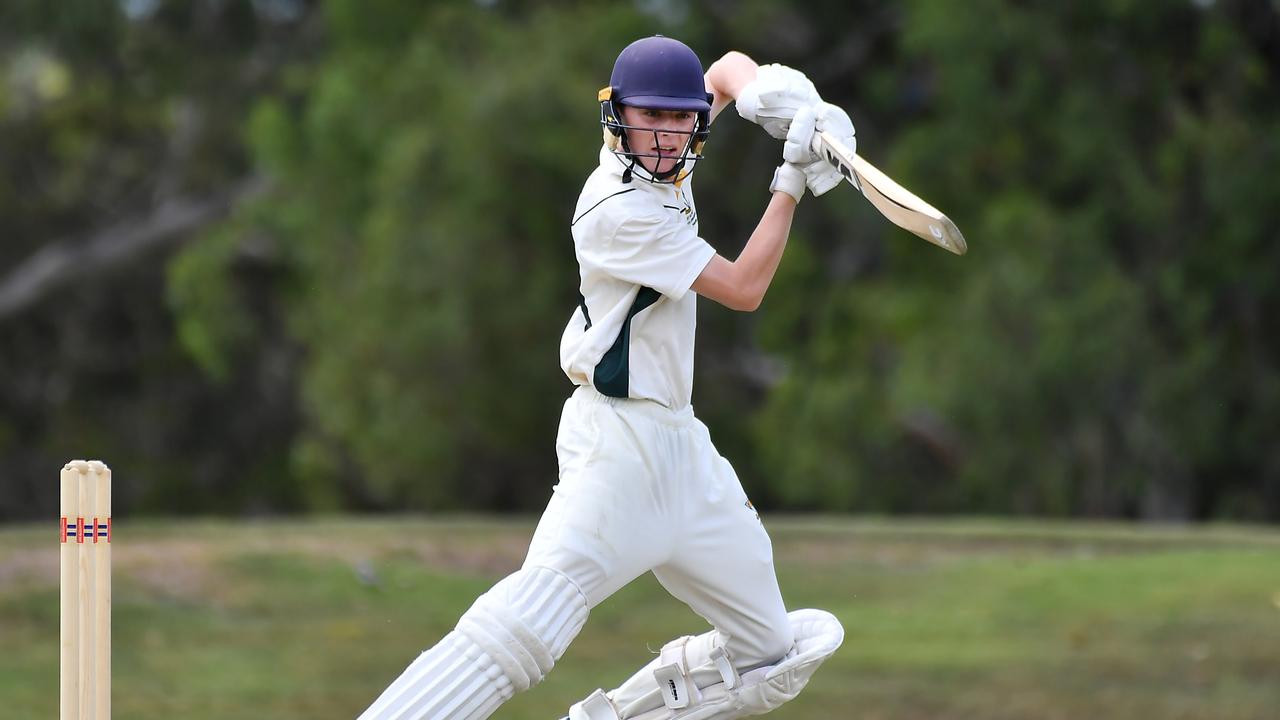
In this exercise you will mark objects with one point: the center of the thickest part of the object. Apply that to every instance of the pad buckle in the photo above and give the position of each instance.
(595, 707)
(675, 693)
(728, 674)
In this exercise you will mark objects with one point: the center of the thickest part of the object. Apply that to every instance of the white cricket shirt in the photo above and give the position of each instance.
(638, 252)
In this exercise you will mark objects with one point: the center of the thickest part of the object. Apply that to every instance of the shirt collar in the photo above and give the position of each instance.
(610, 162)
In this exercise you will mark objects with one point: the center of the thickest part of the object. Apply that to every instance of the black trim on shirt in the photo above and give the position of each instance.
(593, 207)
(612, 373)
(582, 303)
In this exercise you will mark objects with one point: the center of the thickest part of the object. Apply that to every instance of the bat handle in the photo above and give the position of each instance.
(817, 146)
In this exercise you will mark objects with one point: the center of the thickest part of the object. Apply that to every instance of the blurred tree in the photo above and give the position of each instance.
(375, 324)
(1102, 350)
(120, 129)
(423, 183)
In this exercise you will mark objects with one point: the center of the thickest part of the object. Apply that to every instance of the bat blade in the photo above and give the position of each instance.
(895, 202)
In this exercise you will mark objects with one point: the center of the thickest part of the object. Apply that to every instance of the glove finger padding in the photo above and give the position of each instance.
(798, 147)
(821, 175)
(772, 99)
(834, 120)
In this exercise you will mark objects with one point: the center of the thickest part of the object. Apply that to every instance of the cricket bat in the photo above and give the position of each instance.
(893, 201)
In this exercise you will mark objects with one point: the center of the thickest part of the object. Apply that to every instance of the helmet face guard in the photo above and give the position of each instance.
(656, 73)
(615, 138)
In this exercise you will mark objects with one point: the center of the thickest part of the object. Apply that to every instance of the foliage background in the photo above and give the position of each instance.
(284, 256)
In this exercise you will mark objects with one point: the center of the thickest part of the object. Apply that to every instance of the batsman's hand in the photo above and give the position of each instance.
(790, 179)
(798, 148)
(772, 99)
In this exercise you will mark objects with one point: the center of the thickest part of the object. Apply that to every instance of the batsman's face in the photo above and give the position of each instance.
(658, 137)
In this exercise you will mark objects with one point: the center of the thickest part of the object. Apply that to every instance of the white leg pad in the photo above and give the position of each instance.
(506, 643)
(454, 680)
(707, 687)
(526, 622)
(818, 635)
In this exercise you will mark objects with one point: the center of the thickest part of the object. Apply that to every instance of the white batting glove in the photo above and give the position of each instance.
(798, 148)
(773, 98)
(790, 179)
(832, 120)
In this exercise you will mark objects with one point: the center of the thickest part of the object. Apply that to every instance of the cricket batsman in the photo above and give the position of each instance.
(641, 486)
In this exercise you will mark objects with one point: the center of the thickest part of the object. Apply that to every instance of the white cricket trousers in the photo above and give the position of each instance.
(643, 488)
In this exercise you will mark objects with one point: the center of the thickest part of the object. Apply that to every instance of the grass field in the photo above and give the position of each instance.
(943, 619)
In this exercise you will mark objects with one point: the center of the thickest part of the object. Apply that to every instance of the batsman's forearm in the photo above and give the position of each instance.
(760, 258)
(741, 284)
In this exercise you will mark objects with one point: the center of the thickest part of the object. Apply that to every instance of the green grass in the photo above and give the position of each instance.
(944, 619)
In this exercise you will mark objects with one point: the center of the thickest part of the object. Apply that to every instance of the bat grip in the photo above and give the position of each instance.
(817, 146)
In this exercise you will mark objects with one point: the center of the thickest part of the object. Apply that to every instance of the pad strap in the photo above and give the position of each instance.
(728, 673)
(595, 707)
(672, 675)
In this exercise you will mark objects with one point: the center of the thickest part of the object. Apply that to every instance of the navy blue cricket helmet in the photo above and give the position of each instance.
(659, 73)
(656, 73)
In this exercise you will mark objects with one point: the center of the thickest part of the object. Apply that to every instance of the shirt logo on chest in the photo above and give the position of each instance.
(685, 208)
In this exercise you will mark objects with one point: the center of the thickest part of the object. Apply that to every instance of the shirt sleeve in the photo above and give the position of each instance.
(653, 251)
